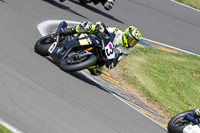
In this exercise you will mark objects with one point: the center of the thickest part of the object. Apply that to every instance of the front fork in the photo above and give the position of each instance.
(84, 53)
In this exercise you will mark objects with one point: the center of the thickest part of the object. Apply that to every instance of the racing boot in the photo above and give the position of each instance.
(96, 70)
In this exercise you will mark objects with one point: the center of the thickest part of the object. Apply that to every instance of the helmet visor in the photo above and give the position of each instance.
(131, 40)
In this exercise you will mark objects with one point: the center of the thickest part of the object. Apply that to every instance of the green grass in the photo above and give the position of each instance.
(4, 130)
(169, 79)
(192, 3)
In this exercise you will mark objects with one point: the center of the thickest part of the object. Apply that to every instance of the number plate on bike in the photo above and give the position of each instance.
(109, 50)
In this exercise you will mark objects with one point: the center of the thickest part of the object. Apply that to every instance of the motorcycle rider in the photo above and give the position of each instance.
(122, 41)
(108, 4)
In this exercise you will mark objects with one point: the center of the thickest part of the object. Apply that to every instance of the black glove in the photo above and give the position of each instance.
(101, 27)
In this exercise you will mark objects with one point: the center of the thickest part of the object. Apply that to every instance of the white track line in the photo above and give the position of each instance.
(8, 126)
(185, 5)
(123, 100)
(168, 46)
(43, 27)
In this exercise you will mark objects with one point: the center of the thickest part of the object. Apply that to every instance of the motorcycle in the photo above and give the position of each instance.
(77, 52)
(107, 4)
(184, 122)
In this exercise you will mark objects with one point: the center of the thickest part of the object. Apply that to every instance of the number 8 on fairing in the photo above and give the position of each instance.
(52, 47)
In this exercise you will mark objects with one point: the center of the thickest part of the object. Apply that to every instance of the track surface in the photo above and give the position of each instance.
(36, 96)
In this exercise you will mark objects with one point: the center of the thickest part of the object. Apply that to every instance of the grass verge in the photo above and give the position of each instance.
(4, 130)
(170, 79)
(191, 3)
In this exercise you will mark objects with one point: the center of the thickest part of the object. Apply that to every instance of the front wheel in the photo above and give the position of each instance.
(178, 122)
(71, 64)
(42, 45)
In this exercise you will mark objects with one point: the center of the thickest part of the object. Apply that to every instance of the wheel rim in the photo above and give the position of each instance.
(71, 59)
(181, 121)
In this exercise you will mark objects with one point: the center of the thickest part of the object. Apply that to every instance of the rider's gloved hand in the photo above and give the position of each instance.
(99, 26)
(87, 26)
(197, 112)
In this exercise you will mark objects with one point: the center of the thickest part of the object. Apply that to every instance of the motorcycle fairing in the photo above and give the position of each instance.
(84, 39)
(62, 49)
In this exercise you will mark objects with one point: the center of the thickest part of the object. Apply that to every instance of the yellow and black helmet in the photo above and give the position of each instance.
(131, 36)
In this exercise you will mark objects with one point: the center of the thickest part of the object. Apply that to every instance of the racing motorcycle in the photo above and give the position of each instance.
(185, 122)
(107, 5)
(77, 52)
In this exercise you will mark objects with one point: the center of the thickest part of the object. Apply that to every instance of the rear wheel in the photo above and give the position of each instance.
(178, 122)
(42, 45)
(70, 63)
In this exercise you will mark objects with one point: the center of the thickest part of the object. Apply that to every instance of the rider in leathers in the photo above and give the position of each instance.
(122, 41)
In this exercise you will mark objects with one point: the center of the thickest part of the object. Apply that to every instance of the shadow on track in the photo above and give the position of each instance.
(79, 76)
(96, 11)
(52, 2)
(85, 79)
(2, 1)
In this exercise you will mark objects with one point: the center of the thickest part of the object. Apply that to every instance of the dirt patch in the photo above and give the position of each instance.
(161, 47)
(116, 73)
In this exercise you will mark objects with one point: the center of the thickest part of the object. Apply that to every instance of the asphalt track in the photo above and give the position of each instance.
(36, 96)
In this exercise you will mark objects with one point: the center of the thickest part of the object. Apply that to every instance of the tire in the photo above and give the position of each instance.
(87, 62)
(42, 46)
(175, 126)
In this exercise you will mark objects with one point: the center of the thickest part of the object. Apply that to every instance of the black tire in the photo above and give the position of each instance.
(87, 62)
(175, 126)
(42, 46)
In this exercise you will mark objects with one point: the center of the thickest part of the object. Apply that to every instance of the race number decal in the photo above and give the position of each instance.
(109, 50)
(52, 47)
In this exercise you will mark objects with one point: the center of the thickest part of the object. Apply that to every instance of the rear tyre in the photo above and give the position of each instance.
(42, 45)
(178, 123)
(70, 64)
